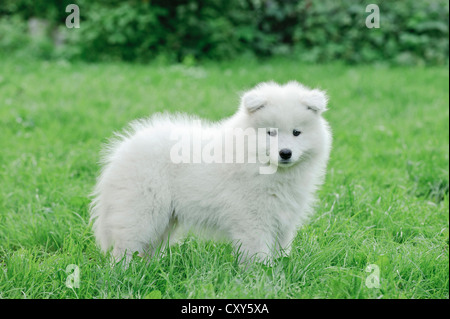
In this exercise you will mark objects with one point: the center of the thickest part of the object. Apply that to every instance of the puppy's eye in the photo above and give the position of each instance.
(296, 132)
(272, 132)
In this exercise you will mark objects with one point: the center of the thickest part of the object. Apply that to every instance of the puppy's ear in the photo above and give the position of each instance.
(253, 101)
(315, 100)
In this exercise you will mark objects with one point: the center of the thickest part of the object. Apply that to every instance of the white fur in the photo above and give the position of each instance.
(142, 198)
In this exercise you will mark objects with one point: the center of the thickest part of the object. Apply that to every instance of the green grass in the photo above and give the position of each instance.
(385, 200)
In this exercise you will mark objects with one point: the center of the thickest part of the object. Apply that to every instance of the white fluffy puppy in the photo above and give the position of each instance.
(147, 192)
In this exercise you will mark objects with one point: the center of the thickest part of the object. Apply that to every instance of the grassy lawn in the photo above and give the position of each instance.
(385, 201)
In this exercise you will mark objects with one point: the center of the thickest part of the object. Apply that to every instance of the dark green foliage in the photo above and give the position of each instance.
(411, 32)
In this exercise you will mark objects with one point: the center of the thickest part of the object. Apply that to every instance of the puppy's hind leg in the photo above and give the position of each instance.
(172, 235)
(131, 217)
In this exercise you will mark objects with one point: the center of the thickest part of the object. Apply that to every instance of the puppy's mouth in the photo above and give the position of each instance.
(285, 162)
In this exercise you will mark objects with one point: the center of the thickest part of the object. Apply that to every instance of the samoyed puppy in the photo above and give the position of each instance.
(250, 179)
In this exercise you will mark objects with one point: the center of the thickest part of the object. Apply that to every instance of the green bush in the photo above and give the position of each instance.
(13, 35)
(411, 32)
(120, 31)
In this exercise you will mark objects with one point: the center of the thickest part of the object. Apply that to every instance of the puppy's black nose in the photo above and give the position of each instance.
(285, 153)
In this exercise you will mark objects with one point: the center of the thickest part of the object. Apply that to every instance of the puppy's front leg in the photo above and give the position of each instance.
(254, 246)
(285, 241)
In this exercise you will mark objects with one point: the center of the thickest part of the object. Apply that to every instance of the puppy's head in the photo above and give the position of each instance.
(290, 113)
